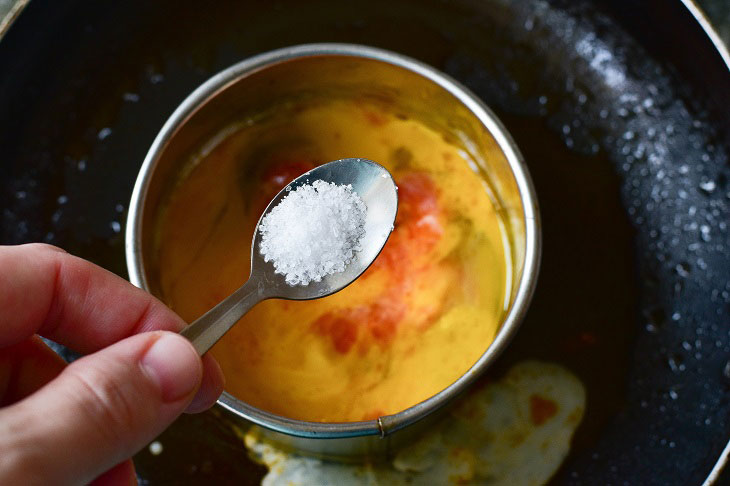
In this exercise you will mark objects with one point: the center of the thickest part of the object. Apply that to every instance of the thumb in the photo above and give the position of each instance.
(99, 411)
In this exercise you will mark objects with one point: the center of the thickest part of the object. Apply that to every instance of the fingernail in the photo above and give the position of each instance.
(173, 363)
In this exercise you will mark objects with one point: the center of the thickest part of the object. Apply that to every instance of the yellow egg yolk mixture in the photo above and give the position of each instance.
(412, 324)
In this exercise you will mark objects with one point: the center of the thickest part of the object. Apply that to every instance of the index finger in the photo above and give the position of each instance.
(45, 290)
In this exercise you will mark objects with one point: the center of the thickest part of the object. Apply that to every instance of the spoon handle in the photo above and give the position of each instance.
(205, 331)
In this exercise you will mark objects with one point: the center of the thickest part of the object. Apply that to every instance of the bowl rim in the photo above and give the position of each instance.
(384, 425)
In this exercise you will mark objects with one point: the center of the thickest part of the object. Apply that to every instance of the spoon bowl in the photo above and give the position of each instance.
(377, 189)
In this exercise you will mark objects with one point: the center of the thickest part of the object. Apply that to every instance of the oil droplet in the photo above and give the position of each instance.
(707, 186)
(683, 269)
(726, 370)
(676, 363)
(655, 319)
(131, 97)
(103, 133)
(705, 233)
(156, 78)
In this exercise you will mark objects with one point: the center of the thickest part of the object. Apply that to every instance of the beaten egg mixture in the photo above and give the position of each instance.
(412, 324)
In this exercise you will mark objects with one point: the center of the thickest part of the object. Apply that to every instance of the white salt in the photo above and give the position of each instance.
(156, 448)
(313, 232)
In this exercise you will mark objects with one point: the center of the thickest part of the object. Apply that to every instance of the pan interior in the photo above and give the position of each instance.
(630, 170)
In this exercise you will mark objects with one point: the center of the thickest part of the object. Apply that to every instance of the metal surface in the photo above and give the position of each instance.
(363, 70)
(656, 414)
(205, 331)
(375, 186)
(720, 467)
(9, 11)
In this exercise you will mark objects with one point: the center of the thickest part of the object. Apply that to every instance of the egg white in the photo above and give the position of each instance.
(515, 431)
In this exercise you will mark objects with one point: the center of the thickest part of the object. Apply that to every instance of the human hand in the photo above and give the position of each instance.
(70, 424)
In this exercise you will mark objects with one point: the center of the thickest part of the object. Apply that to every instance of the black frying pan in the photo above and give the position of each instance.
(620, 108)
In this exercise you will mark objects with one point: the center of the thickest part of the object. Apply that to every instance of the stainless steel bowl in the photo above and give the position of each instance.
(268, 80)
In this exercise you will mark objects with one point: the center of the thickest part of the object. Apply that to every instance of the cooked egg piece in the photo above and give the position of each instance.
(515, 431)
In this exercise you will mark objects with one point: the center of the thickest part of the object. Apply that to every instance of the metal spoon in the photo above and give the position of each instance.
(373, 184)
